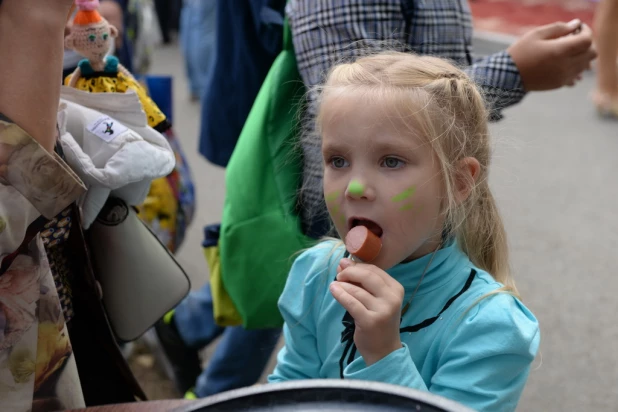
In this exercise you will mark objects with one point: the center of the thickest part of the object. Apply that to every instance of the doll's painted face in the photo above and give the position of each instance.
(92, 41)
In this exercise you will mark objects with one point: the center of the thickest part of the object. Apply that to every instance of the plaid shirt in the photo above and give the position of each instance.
(326, 32)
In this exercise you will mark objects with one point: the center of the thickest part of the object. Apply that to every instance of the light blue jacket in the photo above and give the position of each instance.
(476, 353)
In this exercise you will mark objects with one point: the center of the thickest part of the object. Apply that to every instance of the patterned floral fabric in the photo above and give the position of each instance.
(37, 367)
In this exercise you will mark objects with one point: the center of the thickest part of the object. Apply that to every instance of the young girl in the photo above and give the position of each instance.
(406, 152)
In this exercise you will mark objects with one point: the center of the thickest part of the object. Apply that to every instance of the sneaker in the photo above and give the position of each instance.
(190, 395)
(180, 362)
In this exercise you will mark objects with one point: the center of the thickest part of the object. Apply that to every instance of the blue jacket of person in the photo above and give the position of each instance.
(248, 39)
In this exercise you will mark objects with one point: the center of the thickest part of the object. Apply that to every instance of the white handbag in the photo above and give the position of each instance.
(140, 278)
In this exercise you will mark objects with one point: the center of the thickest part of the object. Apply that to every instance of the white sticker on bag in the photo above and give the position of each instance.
(107, 128)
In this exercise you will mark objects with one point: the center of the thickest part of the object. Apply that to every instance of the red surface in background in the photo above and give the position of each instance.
(518, 16)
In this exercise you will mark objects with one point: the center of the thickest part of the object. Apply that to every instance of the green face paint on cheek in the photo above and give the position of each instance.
(342, 219)
(334, 209)
(356, 188)
(407, 206)
(338, 217)
(404, 195)
(331, 197)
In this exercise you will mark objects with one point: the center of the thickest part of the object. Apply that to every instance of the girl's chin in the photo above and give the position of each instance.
(383, 262)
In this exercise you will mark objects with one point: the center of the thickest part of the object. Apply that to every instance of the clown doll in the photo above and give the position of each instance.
(92, 36)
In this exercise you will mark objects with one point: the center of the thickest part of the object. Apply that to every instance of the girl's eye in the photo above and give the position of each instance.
(392, 163)
(339, 162)
(105, 36)
(92, 37)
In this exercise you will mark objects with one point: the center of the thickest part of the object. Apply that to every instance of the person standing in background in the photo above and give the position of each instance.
(197, 41)
(49, 362)
(248, 39)
(605, 97)
(35, 185)
(167, 13)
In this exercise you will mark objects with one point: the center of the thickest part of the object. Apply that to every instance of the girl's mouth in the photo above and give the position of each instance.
(369, 224)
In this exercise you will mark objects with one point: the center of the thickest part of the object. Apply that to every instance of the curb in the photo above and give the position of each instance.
(503, 39)
(486, 42)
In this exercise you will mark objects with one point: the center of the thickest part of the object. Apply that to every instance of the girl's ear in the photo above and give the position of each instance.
(467, 175)
(113, 31)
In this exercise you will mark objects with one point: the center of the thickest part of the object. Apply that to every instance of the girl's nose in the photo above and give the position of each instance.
(357, 189)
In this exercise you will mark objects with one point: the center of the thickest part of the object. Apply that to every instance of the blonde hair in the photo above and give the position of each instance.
(449, 111)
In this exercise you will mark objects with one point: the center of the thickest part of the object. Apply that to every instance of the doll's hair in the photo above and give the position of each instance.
(84, 18)
(447, 110)
(87, 12)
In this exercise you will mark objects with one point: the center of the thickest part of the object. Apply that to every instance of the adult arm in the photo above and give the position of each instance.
(31, 51)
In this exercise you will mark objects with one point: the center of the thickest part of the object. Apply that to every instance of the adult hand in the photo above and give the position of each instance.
(554, 55)
(373, 299)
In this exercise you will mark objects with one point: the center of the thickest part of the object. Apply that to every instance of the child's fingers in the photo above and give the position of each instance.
(387, 279)
(356, 309)
(364, 297)
(344, 264)
(361, 275)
